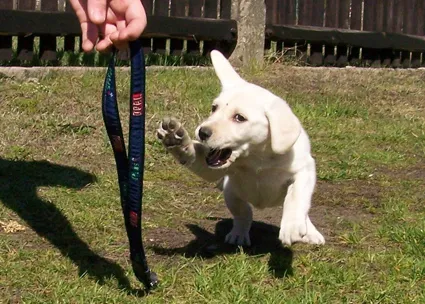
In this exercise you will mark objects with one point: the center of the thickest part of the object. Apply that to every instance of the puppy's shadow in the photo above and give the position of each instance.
(264, 240)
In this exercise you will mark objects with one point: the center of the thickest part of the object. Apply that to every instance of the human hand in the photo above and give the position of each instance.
(109, 22)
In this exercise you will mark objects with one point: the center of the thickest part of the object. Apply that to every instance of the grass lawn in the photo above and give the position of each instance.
(62, 238)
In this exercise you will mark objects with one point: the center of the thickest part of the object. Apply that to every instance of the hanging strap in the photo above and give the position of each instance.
(130, 169)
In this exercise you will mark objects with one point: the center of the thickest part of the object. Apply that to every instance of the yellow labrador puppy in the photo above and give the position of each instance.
(255, 144)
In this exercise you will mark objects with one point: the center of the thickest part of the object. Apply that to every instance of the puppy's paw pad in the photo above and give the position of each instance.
(238, 238)
(172, 133)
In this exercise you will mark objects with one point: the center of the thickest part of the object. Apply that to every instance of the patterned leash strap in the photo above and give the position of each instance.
(130, 168)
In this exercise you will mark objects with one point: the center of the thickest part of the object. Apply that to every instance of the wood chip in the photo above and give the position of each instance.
(11, 226)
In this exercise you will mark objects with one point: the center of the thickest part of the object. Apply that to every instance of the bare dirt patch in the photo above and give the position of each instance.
(415, 172)
(335, 205)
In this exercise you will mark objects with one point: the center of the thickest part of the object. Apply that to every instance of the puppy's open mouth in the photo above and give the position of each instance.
(217, 158)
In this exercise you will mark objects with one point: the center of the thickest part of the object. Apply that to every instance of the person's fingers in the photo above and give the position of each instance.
(89, 36)
(119, 44)
(135, 17)
(105, 43)
(92, 13)
(96, 11)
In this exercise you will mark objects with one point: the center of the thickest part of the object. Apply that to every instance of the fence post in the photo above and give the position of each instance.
(251, 18)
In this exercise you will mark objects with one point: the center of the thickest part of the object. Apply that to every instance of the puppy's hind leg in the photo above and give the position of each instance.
(242, 218)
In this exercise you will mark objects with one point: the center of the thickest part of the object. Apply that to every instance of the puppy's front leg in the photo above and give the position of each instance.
(296, 225)
(242, 217)
(186, 151)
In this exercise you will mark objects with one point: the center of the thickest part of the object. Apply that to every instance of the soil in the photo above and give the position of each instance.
(334, 205)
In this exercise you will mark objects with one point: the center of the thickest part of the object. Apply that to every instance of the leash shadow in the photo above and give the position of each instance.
(264, 240)
(19, 182)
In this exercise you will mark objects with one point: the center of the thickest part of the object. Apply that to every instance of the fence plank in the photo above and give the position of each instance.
(356, 15)
(344, 13)
(318, 12)
(305, 12)
(372, 21)
(148, 5)
(48, 42)
(161, 8)
(409, 20)
(311, 12)
(195, 8)
(210, 9)
(271, 11)
(369, 19)
(332, 13)
(276, 11)
(397, 26)
(225, 9)
(69, 43)
(389, 16)
(380, 15)
(49, 5)
(369, 40)
(178, 8)
(6, 51)
(338, 13)
(288, 12)
(25, 48)
(159, 45)
(57, 23)
(26, 5)
(420, 20)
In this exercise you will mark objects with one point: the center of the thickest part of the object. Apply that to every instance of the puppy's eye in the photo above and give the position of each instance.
(239, 118)
(214, 108)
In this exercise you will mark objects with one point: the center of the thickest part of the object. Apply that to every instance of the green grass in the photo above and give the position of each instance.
(58, 180)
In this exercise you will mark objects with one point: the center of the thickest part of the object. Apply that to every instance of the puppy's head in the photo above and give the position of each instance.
(245, 119)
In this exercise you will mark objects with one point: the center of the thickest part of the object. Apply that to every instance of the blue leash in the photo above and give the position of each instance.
(130, 169)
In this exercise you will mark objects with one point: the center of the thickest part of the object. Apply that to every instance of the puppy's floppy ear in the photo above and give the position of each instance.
(283, 124)
(225, 72)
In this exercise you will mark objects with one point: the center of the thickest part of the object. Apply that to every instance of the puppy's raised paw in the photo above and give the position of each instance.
(172, 133)
(177, 141)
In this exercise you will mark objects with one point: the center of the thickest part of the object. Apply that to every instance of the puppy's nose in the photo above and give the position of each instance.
(204, 133)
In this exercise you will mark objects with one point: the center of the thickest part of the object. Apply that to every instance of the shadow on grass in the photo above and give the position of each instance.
(264, 239)
(19, 181)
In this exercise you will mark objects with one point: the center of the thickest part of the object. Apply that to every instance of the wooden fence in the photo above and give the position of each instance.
(29, 28)
(321, 32)
(368, 32)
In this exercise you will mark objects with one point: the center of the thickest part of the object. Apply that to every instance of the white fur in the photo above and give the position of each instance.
(270, 163)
